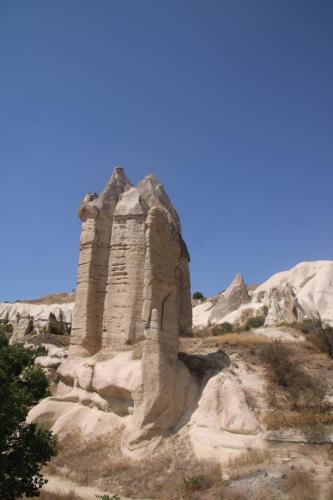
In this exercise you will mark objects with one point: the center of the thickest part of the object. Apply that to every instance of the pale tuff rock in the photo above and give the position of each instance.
(201, 313)
(284, 307)
(22, 326)
(239, 317)
(223, 406)
(96, 213)
(27, 318)
(166, 381)
(231, 299)
(133, 287)
(223, 419)
(113, 250)
(303, 292)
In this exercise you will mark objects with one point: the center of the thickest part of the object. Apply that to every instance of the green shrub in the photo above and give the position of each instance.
(193, 483)
(222, 329)
(7, 327)
(24, 448)
(256, 322)
(198, 296)
(36, 382)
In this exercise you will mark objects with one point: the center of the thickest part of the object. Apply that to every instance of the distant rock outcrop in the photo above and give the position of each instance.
(28, 318)
(303, 292)
(231, 299)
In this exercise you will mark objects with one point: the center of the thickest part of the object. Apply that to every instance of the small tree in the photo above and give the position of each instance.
(24, 448)
(198, 296)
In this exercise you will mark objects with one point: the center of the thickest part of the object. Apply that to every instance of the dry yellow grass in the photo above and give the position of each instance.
(244, 339)
(248, 462)
(45, 495)
(284, 419)
(171, 475)
(299, 485)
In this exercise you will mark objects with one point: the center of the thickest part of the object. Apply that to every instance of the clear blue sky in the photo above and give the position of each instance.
(229, 103)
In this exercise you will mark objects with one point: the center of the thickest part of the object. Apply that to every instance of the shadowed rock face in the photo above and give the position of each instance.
(124, 258)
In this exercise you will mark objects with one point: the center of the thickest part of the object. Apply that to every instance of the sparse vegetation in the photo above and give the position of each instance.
(203, 332)
(320, 336)
(107, 497)
(299, 485)
(248, 462)
(222, 329)
(306, 419)
(303, 390)
(256, 322)
(169, 475)
(71, 495)
(296, 396)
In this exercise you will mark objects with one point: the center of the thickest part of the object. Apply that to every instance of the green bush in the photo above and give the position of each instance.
(24, 449)
(198, 296)
(222, 329)
(256, 322)
(36, 382)
(5, 333)
(7, 327)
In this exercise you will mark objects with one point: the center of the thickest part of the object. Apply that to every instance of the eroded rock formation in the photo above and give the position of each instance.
(118, 266)
(132, 303)
(231, 299)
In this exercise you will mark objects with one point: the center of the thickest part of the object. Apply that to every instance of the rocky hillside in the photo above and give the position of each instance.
(303, 292)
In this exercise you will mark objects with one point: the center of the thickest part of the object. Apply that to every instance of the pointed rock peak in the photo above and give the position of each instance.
(117, 183)
(237, 283)
(237, 286)
(154, 195)
(238, 280)
(131, 203)
(152, 190)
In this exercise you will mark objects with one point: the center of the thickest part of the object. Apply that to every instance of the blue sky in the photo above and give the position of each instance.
(229, 103)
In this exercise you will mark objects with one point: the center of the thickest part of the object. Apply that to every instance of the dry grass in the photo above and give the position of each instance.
(299, 485)
(280, 419)
(166, 475)
(243, 340)
(71, 495)
(202, 332)
(248, 462)
(52, 298)
(235, 493)
(290, 385)
(45, 495)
